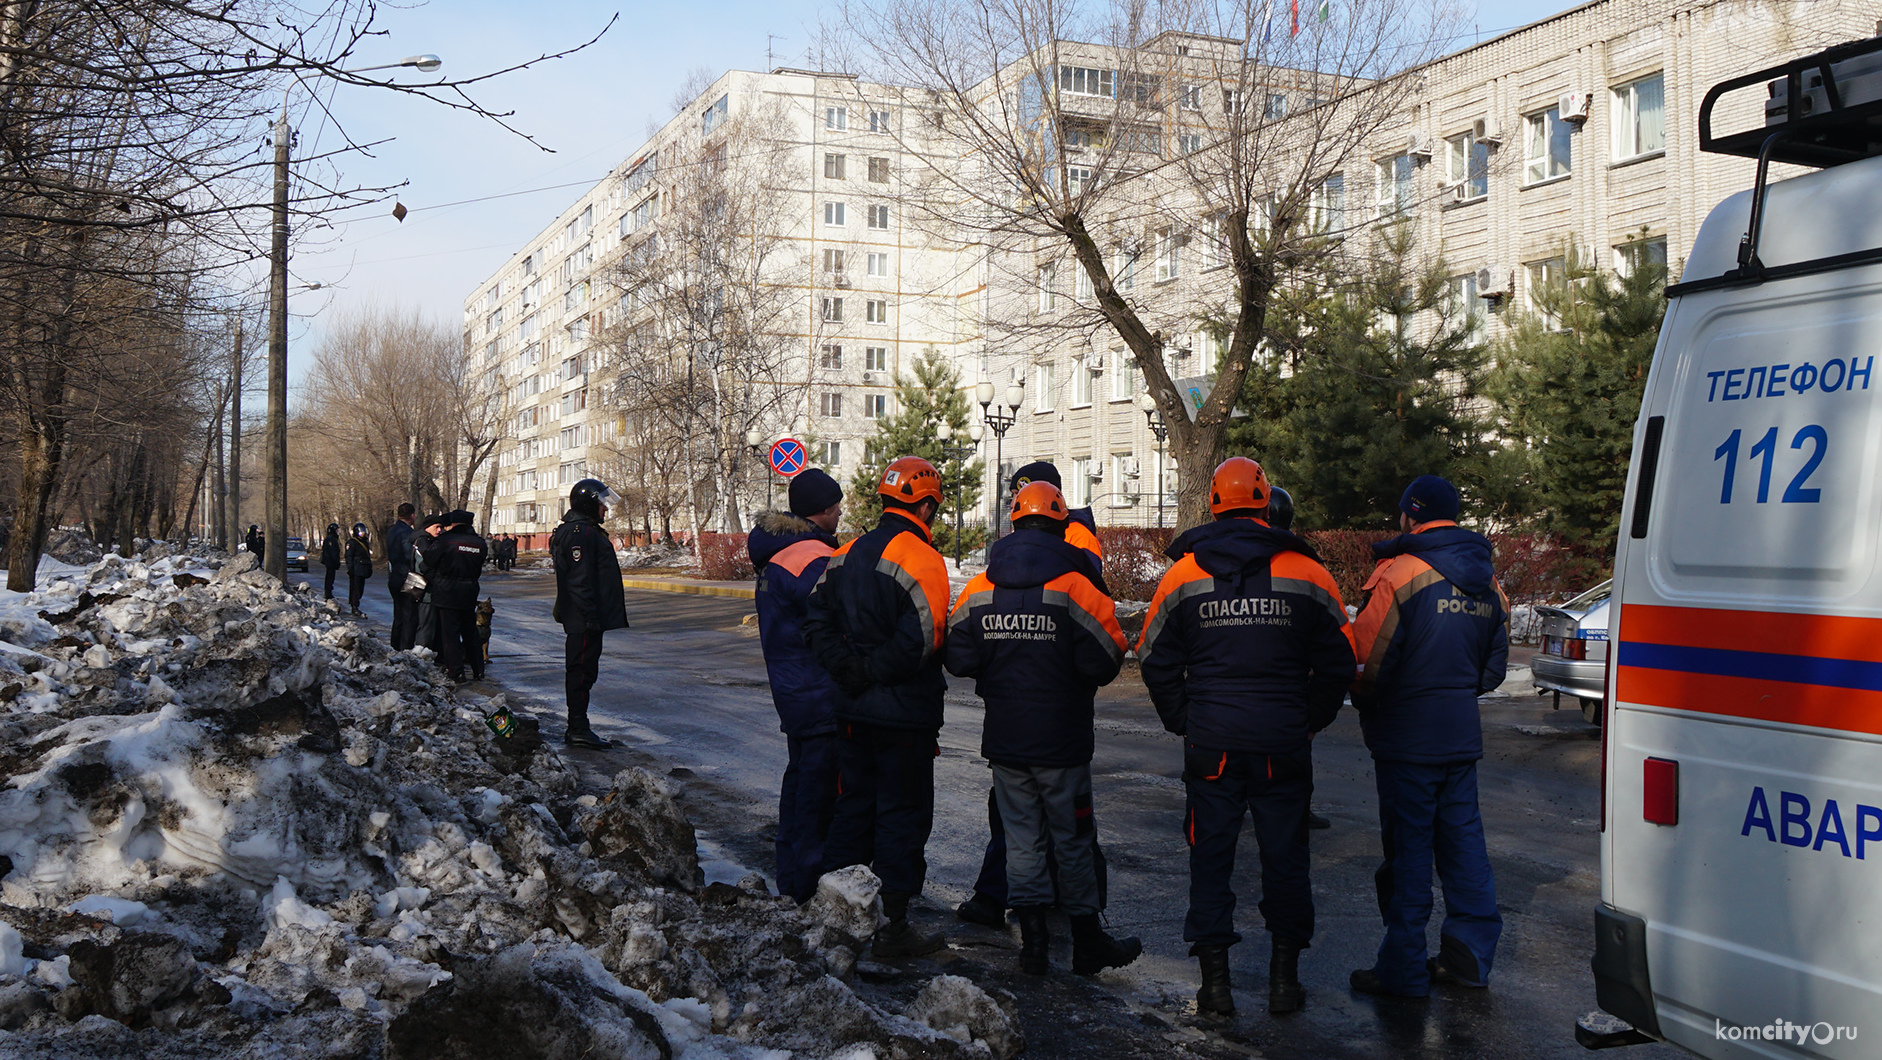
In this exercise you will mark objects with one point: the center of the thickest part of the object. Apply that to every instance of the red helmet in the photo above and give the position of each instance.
(910, 479)
(1238, 483)
(1039, 498)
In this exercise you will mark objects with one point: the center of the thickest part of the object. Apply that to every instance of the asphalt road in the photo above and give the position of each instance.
(684, 692)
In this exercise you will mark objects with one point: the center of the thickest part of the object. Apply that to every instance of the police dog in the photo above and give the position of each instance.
(486, 611)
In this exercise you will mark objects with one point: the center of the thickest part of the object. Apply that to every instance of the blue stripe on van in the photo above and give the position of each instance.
(1764, 666)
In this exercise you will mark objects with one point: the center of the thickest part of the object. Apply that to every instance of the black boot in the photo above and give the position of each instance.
(1093, 951)
(982, 910)
(1035, 940)
(1285, 994)
(898, 938)
(580, 735)
(1214, 998)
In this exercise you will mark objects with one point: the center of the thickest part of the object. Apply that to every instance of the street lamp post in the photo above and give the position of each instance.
(1154, 417)
(944, 433)
(1000, 423)
(275, 513)
(755, 442)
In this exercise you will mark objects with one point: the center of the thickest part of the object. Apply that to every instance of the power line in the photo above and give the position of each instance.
(508, 194)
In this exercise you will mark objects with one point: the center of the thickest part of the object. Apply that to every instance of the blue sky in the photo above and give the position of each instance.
(590, 109)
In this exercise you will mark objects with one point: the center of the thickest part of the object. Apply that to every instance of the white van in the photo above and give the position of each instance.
(1741, 854)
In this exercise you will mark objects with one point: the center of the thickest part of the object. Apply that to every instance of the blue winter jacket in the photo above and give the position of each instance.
(1039, 635)
(1433, 637)
(789, 554)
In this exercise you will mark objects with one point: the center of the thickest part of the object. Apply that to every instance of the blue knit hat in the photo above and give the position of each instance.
(813, 491)
(1429, 498)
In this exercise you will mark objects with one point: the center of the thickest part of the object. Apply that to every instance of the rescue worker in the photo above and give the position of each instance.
(454, 558)
(1245, 654)
(1281, 517)
(988, 904)
(789, 551)
(1039, 635)
(330, 555)
(398, 566)
(1433, 637)
(876, 622)
(589, 599)
(358, 566)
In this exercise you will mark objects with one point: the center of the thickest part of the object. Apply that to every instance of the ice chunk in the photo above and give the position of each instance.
(286, 907)
(401, 898)
(848, 900)
(957, 1008)
(12, 962)
(120, 911)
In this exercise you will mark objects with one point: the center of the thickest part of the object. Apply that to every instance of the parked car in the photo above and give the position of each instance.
(1573, 659)
(297, 554)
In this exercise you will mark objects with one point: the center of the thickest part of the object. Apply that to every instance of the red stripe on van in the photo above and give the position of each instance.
(1851, 710)
(1824, 636)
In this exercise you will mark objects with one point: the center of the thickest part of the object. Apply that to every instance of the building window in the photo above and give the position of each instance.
(1043, 382)
(1077, 179)
(1326, 209)
(876, 311)
(1170, 254)
(830, 406)
(1631, 256)
(1234, 101)
(836, 118)
(878, 265)
(1468, 307)
(1467, 166)
(833, 167)
(1083, 134)
(1189, 97)
(875, 406)
(1640, 117)
(832, 310)
(878, 171)
(1081, 285)
(1048, 287)
(832, 261)
(875, 358)
(832, 454)
(1124, 378)
(1083, 377)
(1084, 81)
(1276, 107)
(879, 122)
(879, 217)
(1394, 185)
(1550, 275)
(1188, 143)
(713, 117)
(830, 357)
(573, 437)
(1078, 486)
(1545, 146)
(833, 214)
(1124, 275)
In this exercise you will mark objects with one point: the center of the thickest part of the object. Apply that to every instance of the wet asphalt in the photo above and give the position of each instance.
(684, 693)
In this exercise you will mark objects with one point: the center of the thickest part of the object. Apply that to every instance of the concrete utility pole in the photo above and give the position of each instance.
(234, 528)
(275, 507)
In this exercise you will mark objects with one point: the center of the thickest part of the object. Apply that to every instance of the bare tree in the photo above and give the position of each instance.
(1182, 134)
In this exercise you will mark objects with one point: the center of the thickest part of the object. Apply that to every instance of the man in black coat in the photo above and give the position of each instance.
(398, 565)
(589, 598)
(454, 556)
(330, 555)
(358, 567)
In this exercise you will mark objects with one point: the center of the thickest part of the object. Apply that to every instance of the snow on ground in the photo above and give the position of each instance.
(233, 824)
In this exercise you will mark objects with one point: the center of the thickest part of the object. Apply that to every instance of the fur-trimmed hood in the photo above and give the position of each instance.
(774, 531)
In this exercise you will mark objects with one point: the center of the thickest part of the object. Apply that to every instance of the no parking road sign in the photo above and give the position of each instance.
(788, 457)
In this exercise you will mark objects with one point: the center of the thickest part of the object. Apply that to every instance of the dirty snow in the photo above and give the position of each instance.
(232, 823)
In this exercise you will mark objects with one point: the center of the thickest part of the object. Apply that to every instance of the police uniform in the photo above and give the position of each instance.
(454, 561)
(398, 567)
(589, 601)
(358, 569)
(330, 556)
(1433, 637)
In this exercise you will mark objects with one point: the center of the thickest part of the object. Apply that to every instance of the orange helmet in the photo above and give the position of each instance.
(1238, 483)
(1039, 498)
(909, 480)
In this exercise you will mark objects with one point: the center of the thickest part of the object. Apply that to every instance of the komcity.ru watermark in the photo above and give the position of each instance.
(1822, 1033)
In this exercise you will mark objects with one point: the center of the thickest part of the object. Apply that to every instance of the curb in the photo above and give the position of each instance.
(741, 592)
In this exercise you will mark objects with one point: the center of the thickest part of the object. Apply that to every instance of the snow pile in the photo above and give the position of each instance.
(232, 823)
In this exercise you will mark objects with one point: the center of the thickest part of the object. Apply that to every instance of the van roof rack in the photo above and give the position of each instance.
(1845, 127)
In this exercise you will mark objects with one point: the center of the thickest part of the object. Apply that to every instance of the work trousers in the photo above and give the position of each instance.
(1037, 802)
(404, 620)
(355, 590)
(806, 805)
(991, 884)
(457, 641)
(884, 804)
(1429, 813)
(331, 572)
(581, 650)
(1222, 786)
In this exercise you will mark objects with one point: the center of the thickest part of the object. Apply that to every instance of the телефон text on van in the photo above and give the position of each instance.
(1772, 380)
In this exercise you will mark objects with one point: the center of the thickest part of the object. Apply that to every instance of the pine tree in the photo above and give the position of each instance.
(921, 403)
(1571, 381)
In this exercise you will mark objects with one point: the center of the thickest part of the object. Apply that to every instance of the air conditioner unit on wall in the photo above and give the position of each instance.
(1574, 106)
(1487, 134)
(1418, 145)
(1495, 281)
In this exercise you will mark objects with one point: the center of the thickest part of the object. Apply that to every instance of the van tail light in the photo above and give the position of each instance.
(1659, 791)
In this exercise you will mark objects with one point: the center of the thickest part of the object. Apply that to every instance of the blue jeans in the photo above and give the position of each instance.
(806, 803)
(1222, 787)
(1429, 813)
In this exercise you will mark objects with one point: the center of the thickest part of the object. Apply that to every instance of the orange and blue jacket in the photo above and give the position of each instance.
(789, 553)
(1434, 636)
(1245, 646)
(876, 622)
(1040, 637)
(1082, 530)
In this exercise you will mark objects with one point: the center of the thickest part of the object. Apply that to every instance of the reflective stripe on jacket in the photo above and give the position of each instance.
(790, 553)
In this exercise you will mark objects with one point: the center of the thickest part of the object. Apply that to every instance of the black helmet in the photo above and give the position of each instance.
(360, 531)
(590, 495)
(333, 528)
(1280, 509)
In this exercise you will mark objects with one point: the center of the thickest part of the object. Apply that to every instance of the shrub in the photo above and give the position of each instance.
(1133, 560)
(722, 557)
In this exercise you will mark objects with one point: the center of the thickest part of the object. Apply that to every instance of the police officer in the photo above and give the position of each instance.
(358, 566)
(876, 623)
(1246, 656)
(789, 551)
(255, 540)
(589, 598)
(454, 558)
(330, 555)
(1434, 636)
(1040, 636)
(398, 567)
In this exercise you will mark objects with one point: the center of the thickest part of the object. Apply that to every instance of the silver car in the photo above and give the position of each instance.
(1573, 659)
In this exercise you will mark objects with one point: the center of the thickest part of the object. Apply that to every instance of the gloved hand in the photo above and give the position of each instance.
(851, 675)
